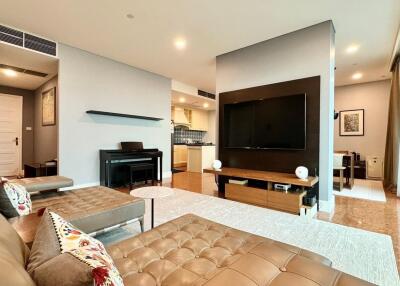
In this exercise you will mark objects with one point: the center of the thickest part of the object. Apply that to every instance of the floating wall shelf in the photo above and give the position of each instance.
(123, 115)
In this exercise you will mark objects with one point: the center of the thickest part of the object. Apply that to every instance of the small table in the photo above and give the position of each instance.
(341, 169)
(152, 193)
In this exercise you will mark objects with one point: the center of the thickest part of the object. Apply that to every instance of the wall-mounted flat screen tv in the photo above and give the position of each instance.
(269, 123)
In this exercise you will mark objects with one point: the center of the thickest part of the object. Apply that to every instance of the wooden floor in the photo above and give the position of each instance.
(368, 215)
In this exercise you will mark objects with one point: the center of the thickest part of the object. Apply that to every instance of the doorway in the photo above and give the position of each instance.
(10, 135)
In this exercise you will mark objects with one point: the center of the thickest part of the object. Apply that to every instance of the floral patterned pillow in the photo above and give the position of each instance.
(82, 257)
(14, 200)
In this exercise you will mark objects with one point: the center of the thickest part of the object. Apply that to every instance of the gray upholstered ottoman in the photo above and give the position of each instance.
(94, 209)
(39, 184)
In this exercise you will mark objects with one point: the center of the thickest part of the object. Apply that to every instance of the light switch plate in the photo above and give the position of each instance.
(28, 128)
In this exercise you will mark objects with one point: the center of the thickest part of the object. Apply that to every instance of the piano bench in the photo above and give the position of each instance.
(138, 167)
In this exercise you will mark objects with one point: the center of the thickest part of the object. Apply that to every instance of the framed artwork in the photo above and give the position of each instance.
(49, 107)
(351, 122)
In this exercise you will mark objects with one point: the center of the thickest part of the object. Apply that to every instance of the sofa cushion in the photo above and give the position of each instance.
(13, 257)
(194, 251)
(63, 255)
(14, 200)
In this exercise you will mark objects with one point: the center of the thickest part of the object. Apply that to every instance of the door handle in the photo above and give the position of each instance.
(16, 141)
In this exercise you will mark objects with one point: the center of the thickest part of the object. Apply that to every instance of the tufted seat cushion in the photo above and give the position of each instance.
(38, 184)
(93, 208)
(194, 251)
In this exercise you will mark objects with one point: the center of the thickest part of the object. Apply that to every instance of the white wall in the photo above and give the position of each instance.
(211, 133)
(304, 53)
(87, 81)
(374, 98)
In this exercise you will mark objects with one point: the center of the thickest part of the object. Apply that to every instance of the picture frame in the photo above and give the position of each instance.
(351, 122)
(49, 107)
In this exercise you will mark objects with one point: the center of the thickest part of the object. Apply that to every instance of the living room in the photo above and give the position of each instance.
(262, 211)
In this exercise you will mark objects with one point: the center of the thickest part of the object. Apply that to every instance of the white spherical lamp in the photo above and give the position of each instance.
(302, 173)
(217, 164)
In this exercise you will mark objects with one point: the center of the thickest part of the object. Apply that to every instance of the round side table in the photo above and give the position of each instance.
(152, 193)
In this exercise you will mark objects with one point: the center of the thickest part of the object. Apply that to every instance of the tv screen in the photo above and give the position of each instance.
(270, 123)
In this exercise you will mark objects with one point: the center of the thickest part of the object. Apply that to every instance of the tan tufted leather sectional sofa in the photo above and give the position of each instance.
(194, 251)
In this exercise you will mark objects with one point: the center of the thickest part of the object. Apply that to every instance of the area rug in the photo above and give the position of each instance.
(357, 252)
(364, 189)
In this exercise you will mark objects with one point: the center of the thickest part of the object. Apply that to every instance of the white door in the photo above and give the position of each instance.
(10, 135)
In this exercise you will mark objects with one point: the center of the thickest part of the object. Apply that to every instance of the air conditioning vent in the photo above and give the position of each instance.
(11, 36)
(206, 94)
(27, 41)
(40, 45)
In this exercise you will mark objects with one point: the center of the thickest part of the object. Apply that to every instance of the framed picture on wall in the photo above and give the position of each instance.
(49, 107)
(351, 122)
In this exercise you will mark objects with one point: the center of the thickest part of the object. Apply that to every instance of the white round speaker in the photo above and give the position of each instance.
(302, 172)
(217, 164)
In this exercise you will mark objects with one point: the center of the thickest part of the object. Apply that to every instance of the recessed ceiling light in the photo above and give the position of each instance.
(10, 72)
(130, 16)
(205, 105)
(180, 43)
(352, 48)
(357, 75)
(182, 99)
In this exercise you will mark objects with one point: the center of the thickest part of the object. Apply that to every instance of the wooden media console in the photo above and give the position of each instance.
(260, 190)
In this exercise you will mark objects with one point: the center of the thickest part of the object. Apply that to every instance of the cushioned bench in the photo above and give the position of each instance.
(39, 184)
(92, 209)
(194, 251)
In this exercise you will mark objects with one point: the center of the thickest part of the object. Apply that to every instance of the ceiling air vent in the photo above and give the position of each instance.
(27, 41)
(206, 94)
(40, 45)
(11, 36)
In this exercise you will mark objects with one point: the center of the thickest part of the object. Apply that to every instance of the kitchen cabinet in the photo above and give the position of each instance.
(200, 157)
(180, 155)
(199, 120)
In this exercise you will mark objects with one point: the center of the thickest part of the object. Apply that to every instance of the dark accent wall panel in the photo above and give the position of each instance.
(270, 159)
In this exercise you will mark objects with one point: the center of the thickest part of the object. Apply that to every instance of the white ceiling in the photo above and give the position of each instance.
(211, 28)
(26, 59)
(192, 101)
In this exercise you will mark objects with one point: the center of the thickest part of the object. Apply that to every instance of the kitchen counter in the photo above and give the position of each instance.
(200, 157)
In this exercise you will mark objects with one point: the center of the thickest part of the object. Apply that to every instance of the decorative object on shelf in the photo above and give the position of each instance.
(302, 173)
(98, 112)
(217, 164)
(351, 122)
(49, 107)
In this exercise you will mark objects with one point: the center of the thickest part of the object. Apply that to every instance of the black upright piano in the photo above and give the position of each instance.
(113, 171)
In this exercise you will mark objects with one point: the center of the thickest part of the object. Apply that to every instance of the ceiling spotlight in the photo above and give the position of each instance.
(205, 105)
(180, 43)
(130, 16)
(352, 49)
(357, 75)
(182, 99)
(10, 72)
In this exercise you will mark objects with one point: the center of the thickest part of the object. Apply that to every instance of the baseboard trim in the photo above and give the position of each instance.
(327, 206)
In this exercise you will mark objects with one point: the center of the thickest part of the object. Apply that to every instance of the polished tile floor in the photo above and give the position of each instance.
(382, 217)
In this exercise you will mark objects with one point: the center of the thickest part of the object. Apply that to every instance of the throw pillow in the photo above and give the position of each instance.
(63, 255)
(14, 200)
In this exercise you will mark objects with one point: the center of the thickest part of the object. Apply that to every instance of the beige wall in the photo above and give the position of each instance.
(45, 137)
(374, 98)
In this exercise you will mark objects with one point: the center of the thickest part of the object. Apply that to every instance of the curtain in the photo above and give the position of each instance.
(393, 130)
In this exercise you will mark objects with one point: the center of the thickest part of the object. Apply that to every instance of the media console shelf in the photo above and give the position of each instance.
(260, 191)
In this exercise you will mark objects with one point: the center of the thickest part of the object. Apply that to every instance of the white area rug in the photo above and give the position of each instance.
(357, 252)
(364, 189)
